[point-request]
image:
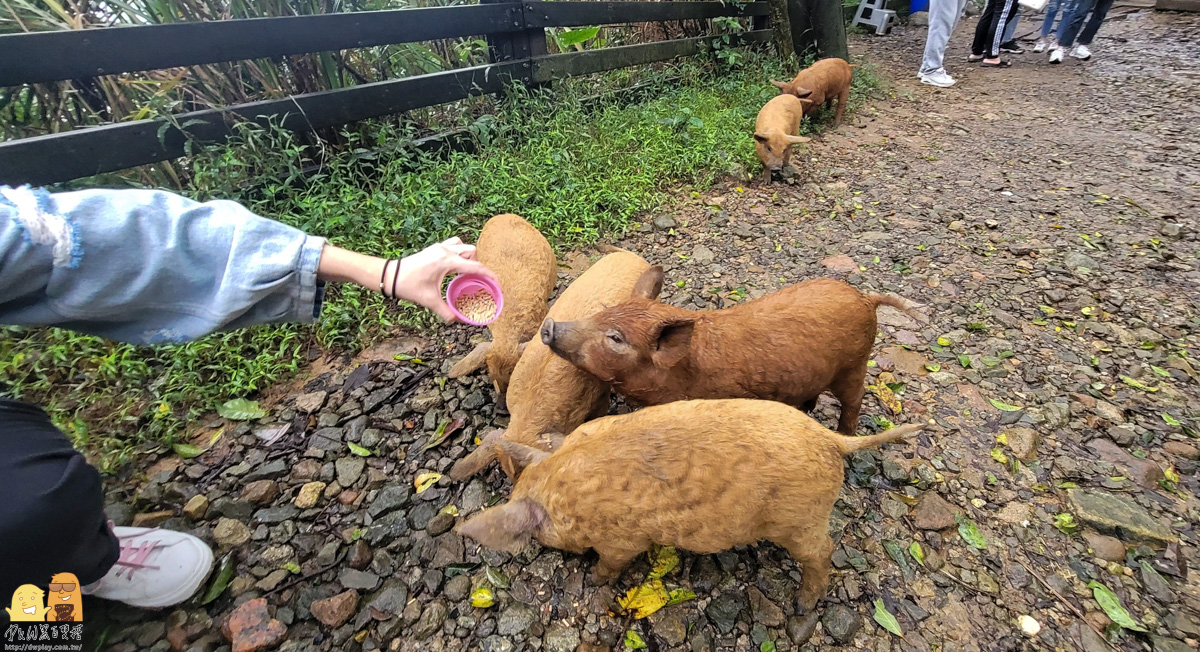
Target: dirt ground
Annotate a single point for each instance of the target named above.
(1045, 218)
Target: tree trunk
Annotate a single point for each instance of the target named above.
(818, 28)
(781, 29)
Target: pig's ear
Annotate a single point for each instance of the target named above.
(649, 284)
(524, 456)
(674, 339)
(507, 527)
(797, 139)
(778, 84)
(472, 362)
(761, 137)
(522, 346)
(802, 92)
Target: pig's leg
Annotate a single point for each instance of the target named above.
(849, 390)
(813, 549)
(841, 110)
(809, 405)
(613, 559)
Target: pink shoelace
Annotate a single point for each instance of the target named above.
(133, 557)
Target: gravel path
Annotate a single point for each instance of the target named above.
(1046, 219)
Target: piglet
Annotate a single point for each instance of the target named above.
(524, 262)
(703, 476)
(820, 83)
(787, 346)
(775, 132)
(547, 395)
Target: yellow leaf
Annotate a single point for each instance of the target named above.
(1002, 439)
(425, 481)
(449, 509)
(482, 597)
(1170, 474)
(665, 559)
(885, 394)
(645, 599)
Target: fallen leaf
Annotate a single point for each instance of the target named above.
(221, 579)
(679, 595)
(999, 456)
(1170, 474)
(645, 599)
(885, 619)
(359, 450)
(482, 597)
(1160, 371)
(767, 646)
(944, 341)
(449, 509)
(1170, 420)
(664, 560)
(886, 396)
(917, 553)
(1004, 407)
(444, 431)
(425, 481)
(1138, 385)
(970, 532)
(404, 357)
(1112, 606)
(497, 578)
(964, 360)
(291, 567)
(933, 367)
(632, 640)
(240, 409)
(187, 451)
(1066, 523)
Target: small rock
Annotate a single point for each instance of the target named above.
(515, 619)
(151, 519)
(1116, 514)
(933, 512)
(1181, 624)
(229, 533)
(310, 402)
(250, 627)
(671, 626)
(723, 611)
(439, 524)
(841, 622)
(1024, 443)
(1165, 644)
(309, 495)
(1109, 412)
(349, 470)
(1076, 260)
(473, 401)
(335, 611)
(276, 515)
(196, 508)
(560, 638)
(840, 263)
(664, 222)
(457, 588)
(147, 634)
(431, 620)
(360, 555)
(1156, 586)
(272, 580)
(800, 629)
(1181, 449)
(260, 492)
(119, 513)
(703, 255)
(388, 500)
(272, 470)
(764, 611)
(1105, 547)
(1143, 472)
(356, 579)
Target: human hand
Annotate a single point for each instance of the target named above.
(421, 274)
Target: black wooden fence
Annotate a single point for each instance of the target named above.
(515, 32)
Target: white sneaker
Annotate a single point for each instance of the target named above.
(157, 568)
(1043, 43)
(1081, 52)
(1056, 55)
(939, 78)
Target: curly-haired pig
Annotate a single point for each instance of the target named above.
(548, 395)
(775, 131)
(821, 83)
(703, 476)
(524, 263)
(787, 346)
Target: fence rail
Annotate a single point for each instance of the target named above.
(515, 32)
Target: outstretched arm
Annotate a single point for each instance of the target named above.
(148, 266)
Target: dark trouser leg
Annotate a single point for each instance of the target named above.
(979, 44)
(1068, 27)
(1099, 12)
(1005, 9)
(52, 512)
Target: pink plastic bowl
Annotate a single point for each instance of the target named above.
(471, 284)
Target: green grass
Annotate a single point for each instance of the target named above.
(574, 170)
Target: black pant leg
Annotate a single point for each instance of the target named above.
(51, 504)
(979, 44)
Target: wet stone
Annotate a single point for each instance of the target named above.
(671, 626)
(276, 515)
(440, 524)
(270, 471)
(933, 512)
(349, 470)
(723, 611)
(457, 588)
(801, 628)
(388, 500)
(431, 620)
(515, 619)
(560, 638)
(260, 492)
(841, 622)
(356, 579)
(1112, 513)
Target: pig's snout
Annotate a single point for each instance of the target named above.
(775, 167)
(548, 332)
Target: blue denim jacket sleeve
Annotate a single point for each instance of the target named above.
(148, 266)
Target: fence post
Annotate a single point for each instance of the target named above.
(781, 29)
(818, 27)
(501, 47)
(532, 42)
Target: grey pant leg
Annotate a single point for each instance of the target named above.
(943, 18)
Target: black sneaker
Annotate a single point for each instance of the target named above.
(1011, 48)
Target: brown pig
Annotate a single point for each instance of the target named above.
(524, 263)
(548, 395)
(703, 476)
(775, 131)
(787, 346)
(820, 83)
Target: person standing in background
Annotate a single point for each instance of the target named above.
(1010, 45)
(1068, 29)
(1047, 40)
(989, 33)
(943, 18)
